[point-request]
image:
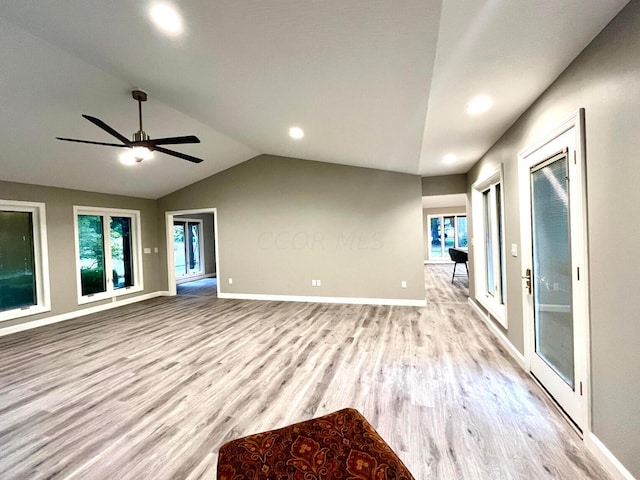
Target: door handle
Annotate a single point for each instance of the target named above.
(527, 277)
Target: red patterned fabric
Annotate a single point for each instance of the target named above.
(338, 446)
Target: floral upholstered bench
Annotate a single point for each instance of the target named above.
(341, 445)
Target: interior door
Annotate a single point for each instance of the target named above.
(553, 254)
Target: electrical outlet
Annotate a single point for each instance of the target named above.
(314, 283)
(318, 283)
(404, 284)
(230, 280)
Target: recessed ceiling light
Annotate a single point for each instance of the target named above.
(296, 132)
(449, 158)
(478, 105)
(167, 18)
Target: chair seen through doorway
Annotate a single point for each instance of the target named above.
(459, 256)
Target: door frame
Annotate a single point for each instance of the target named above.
(172, 288)
(579, 245)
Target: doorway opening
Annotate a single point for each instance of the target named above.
(444, 226)
(192, 252)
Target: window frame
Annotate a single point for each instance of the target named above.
(496, 302)
(136, 252)
(41, 259)
(445, 254)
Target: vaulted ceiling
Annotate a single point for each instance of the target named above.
(373, 83)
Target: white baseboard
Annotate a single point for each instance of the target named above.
(301, 298)
(602, 453)
(502, 338)
(194, 278)
(606, 458)
(75, 314)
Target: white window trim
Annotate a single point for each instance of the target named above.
(136, 241)
(494, 307)
(445, 255)
(41, 259)
(200, 272)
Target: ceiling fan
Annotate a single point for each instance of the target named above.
(141, 147)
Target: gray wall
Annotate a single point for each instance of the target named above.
(425, 225)
(444, 185)
(61, 243)
(283, 222)
(605, 79)
(208, 239)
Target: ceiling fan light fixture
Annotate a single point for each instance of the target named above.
(135, 155)
(126, 158)
(167, 18)
(142, 153)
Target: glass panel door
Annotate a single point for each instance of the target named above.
(436, 231)
(555, 267)
(187, 246)
(462, 232)
(449, 234)
(91, 246)
(194, 247)
(121, 252)
(551, 272)
(17, 274)
(179, 248)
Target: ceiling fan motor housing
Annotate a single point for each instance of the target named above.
(139, 95)
(140, 136)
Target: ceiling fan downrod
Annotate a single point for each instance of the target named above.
(140, 96)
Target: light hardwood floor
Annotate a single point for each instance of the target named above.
(151, 390)
(206, 287)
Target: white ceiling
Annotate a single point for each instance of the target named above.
(374, 83)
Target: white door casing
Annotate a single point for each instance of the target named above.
(570, 136)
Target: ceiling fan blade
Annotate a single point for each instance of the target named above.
(167, 141)
(92, 143)
(99, 123)
(183, 156)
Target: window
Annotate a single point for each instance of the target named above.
(24, 275)
(493, 241)
(109, 261)
(188, 247)
(489, 255)
(445, 232)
